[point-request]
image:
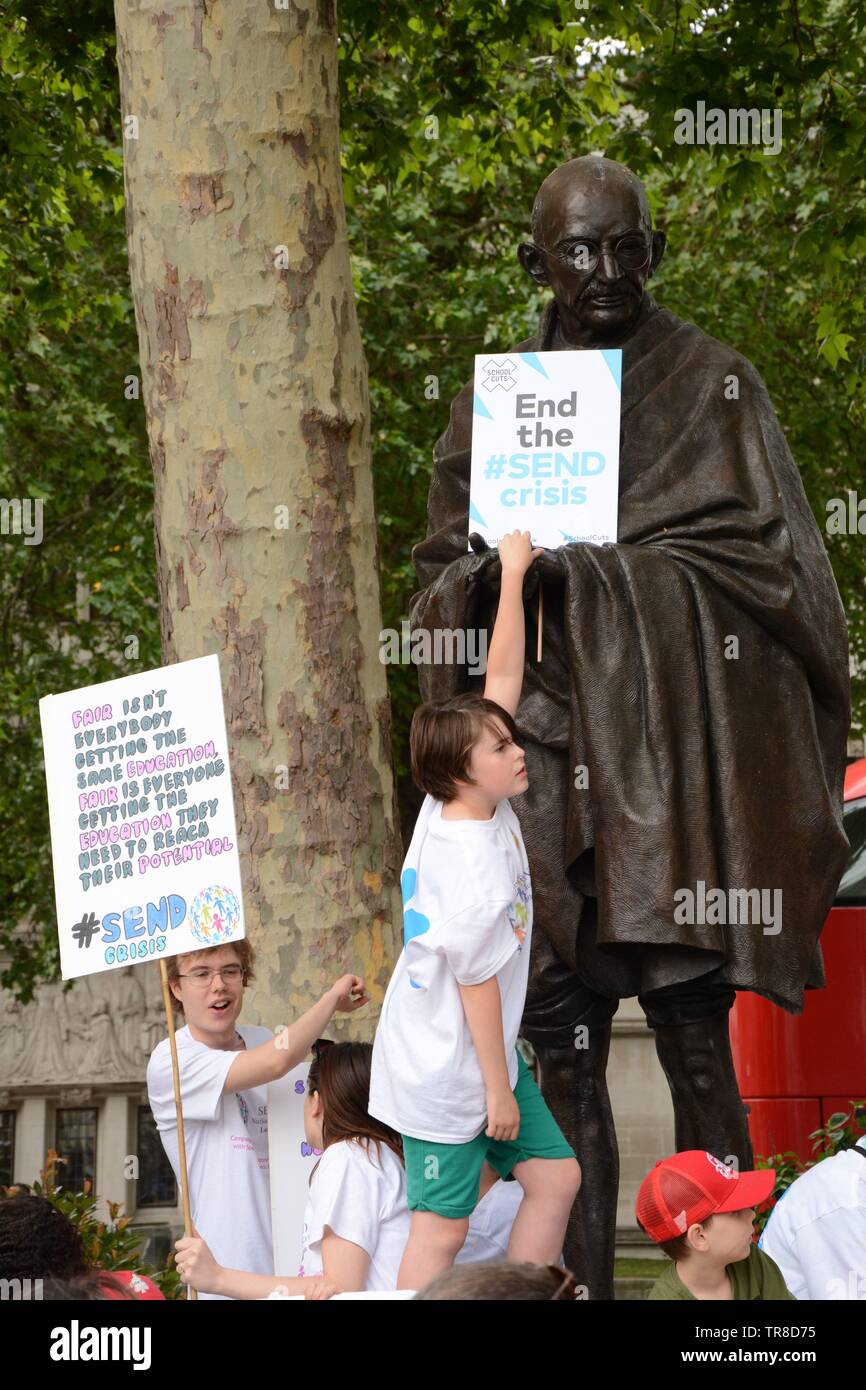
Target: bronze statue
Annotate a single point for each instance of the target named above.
(688, 721)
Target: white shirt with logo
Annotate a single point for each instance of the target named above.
(226, 1148)
(361, 1197)
(816, 1232)
(467, 916)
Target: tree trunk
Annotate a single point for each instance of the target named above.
(255, 390)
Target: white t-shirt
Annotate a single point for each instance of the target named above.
(226, 1148)
(817, 1230)
(490, 1224)
(467, 915)
(363, 1200)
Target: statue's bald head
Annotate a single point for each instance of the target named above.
(593, 244)
(589, 179)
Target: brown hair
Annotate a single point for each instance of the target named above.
(501, 1279)
(242, 948)
(340, 1072)
(677, 1248)
(441, 739)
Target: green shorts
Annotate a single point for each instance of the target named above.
(450, 1185)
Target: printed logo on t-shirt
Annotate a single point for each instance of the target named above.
(414, 923)
(517, 910)
(254, 1141)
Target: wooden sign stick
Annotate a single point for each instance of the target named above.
(181, 1145)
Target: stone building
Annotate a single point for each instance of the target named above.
(72, 1078)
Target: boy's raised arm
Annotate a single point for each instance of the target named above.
(507, 655)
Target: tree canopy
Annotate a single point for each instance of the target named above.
(452, 114)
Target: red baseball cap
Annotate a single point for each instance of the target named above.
(137, 1284)
(692, 1185)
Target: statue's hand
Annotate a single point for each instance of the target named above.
(549, 567)
(489, 571)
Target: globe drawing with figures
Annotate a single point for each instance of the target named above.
(215, 915)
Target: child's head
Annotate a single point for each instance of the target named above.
(501, 1280)
(37, 1241)
(470, 741)
(211, 1003)
(693, 1205)
(337, 1096)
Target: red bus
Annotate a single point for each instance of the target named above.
(795, 1071)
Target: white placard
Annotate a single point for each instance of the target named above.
(142, 818)
(292, 1161)
(545, 446)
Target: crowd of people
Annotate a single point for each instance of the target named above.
(442, 1172)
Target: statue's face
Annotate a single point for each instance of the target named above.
(585, 215)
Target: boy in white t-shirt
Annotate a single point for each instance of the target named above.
(446, 1072)
(224, 1076)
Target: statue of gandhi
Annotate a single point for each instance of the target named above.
(685, 731)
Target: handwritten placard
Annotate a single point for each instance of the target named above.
(545, 446)
(142, 817)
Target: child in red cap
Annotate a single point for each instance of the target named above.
(700, 1212)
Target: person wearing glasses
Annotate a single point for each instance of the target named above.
(356, 1220)
(225, 1070)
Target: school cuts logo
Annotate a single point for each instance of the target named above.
(77, 1343)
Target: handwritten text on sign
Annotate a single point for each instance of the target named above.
(142, 818)
(545, 446)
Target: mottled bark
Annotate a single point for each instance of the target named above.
(255, 390)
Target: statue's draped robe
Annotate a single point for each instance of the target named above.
(707, 759)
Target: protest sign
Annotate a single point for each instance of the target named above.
(293, 1159)
(143, 833)
(545, 446)
(143, 837)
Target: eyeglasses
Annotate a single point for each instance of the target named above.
(201, 978)
(631, 252)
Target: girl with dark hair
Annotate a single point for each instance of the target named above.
(356, 1221)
